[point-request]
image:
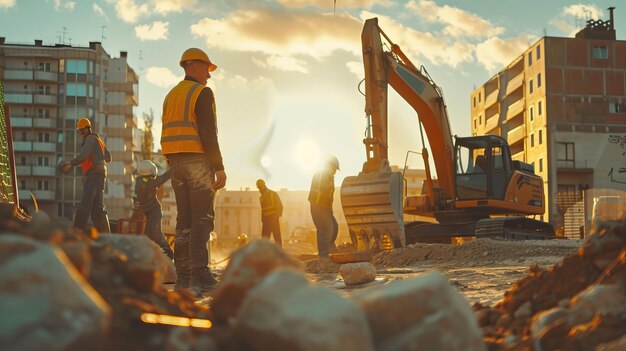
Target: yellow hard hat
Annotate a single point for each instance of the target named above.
(197, 54)
(83, 123)
(260, 183)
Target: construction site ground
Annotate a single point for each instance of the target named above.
(481, 269)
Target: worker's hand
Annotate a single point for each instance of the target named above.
(220, 180)
(65, 167)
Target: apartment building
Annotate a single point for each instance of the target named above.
(47, 89)
(562, 107)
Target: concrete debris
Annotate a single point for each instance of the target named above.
(45, 302)
(357, 273)
(285, 313)
(426, 310)
(247, 267)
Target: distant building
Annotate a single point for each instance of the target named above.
(562, 107)
(47, 89)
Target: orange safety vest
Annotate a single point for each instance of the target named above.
(270, 204)
(180, 130)
(322, 189)
(87, 164)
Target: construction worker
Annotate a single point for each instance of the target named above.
(189, 142)
(92, 158)
(146, 184)
(321, 199)
(271, 211)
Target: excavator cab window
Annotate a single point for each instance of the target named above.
(471, 171)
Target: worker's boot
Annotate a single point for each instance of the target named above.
(182, 261)
(202, 280)
(101, 222)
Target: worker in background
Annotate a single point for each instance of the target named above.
(189, 142)
(92, 158)
(271, 211)
(321, 199)
(146, 184)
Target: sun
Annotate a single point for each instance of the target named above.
(266, 161)
(307, 153)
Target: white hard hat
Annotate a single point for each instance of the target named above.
(332, 160)
(146, 168)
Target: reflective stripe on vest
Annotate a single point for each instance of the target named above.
(269, 206)
(180, 130)
(321, 194)
(87, 164)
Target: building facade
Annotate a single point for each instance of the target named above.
(561, 105)
(47, 89)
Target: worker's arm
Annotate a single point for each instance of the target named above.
(107, 155)
(85, 150)
(207, 131)
(158, 181)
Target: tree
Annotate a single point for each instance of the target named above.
(148, 139)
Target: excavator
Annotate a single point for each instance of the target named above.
(479, 190)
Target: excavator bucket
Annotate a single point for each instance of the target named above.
(372, 205)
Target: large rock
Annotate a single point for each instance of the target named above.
(418, 313)
(143, 255)
(45, 303)
(357, 273)
(285, 313)
(247, 267)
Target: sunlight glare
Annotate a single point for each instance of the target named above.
(307, 154)
(266, 161)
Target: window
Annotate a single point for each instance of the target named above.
(479, 96)
(565, 155)
(600, 52)
(474, 101)
(539, 109)
(540, 164)
(42, 185)
(538, 80)
(530, 58)
(480, 120)
(540, 136)
(23, 160)
(530, 86)
(616, 107)
(43, 161)
(44, 66)
(43, 113)
(475, 123)
(538, 52)
(76, 66)
(532, 140)
(76, 89)
(23, 136)
(44, 137)
(22, 184)
(44, 90)
(532, 115)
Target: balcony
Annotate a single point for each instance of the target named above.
(45, 171)
(44, 147)
(492, 98)
(492, 123)
(46, 76)
(23, 171)
(18, 75)
(44, 123)
(18, 98)
(45, 99)
(21, 122)
(516, 134)
(515, 83)
(518, 156)
(22, 146)
(44, 194)
(515, 109)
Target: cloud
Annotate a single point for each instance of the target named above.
(356, 68)
(162, 77)
(327, 4)
(98, 10)
(456, 22)
(572, 18)
(7, 3)
(583, 11)
(67, 5)
(167, 6)
(437, 49)
(155, 31)
(281, 35)
(495, 52)
(129, 11)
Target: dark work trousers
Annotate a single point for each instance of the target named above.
(191, 178)
(327, 228)
(271, 225)
(92, 204)
(154, 232)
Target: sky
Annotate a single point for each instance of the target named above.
(288, 72)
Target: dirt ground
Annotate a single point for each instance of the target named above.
(482, 269)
